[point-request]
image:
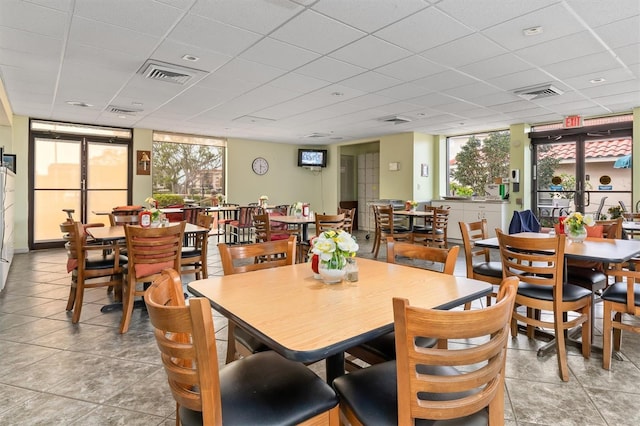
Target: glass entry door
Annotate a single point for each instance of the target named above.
(582, 172)
(87, 175)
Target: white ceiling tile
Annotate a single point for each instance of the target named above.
(278, 54)
(629, 54)
(621, 33)
(403, 91)
(329, 69)
(521, 79)
(571, 46)
(411, 68)
(463, 51)
(368, 15)
(444, 80)
(109, 37)
(370, 52)
(496, 99)
(495, 66)
(596, 13)
(583, 65)
(423, 30)
(611, 76)
(31, 17)
(316, 32)
(29, 42)
(145, 16)
(556, 22)
(298, 83)
(370, 82)
(482, 14)
(243, 70)
(213, 35)
(258, 16)
(172, 52)
(470, 91)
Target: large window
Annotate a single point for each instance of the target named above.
(187, 167)
(477, 163)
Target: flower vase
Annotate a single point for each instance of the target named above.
(331, 276)
(576, 235)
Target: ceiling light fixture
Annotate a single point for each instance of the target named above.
(190, 58)
(597, 80)
(532, 31)
(79, 104)
(337, 94)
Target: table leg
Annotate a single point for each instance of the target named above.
(334, 366)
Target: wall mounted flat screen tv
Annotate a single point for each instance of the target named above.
(312, 158)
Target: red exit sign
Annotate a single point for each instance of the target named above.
(572, 121)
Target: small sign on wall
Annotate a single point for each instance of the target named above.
(143, 162)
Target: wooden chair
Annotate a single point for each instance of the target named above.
(383, 348)
(149, 250)
(194, 258)
(478, 260)
(349, 218)
(225, 217)
(261, 389)
(242, 229)
(325, 222)
(436, 233)
(621, 299)
(238, 259)
(539, 263)
(89, 264)
(385, 227)
(264, 229)
(431, 383)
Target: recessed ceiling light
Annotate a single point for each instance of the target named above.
(137, 103)
(532, 31)
(597, 80)
(337, 94)
(122, 116)
(422, 114)
(190, 58)
(79, 104)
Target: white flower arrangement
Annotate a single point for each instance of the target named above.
(263, 198)
(155, 213)
(333, 248)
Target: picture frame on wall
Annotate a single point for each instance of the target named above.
(9, 161)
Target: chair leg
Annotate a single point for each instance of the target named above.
(586, 332)
(77, 308)
(617, 333)
(561, 348)
(606, 336)
(128, 295)
(496, 406)
(72, 291)
(231, 342)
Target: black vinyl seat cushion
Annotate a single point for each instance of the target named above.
(385, 345)
(586, 277)
(490, 269)
(373, 397)
(249, 341)
(103, 262)
(570, 292)
(266, 389)
(188, 252)
(617, 293)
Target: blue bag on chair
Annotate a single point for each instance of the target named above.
(524, 221)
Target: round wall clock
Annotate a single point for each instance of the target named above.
(260, 166)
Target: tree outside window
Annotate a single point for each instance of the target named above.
(475, 161)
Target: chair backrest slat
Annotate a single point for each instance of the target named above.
(251, 257)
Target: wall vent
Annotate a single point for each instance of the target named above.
(396, 119)
(317, 135)
(538, 92)
(170, 73)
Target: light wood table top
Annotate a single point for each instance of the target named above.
(306, 320)
(597, 249)
(295, 220)
(112, 233)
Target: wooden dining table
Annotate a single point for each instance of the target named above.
(306, 320)
(411, 214)
(114, 233)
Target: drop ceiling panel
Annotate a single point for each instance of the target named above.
(361, 15)
(463, 51)
(521, 79)
(594, 63)
(572, 46)
(212, 35)
(261, 17)
(329, 69)
(597, 13)
(370, 82)
(109, 37)
(411, 68)
(404, 91)
(444, 80)
(316, 32)
(29, 42)
(298, 82)
(423, 30)
(30, 17)
(620, 33)
(172, 52)
(495, 66)
(278, 54)
(370, 52)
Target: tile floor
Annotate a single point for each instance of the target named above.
(56, 373)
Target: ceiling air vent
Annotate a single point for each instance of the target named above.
(395, 119)
(317, 135)
(538, 92)
(162, 71)
(122, 110)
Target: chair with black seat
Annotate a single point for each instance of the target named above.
(383, 348)
(226, 215)
(104, 269)
(478, 260)
(385, 227)
(431, 386)
(539, 263)
(621, 301)
(238, 259)
(194, 257)
(149, 251)
(261, 389)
